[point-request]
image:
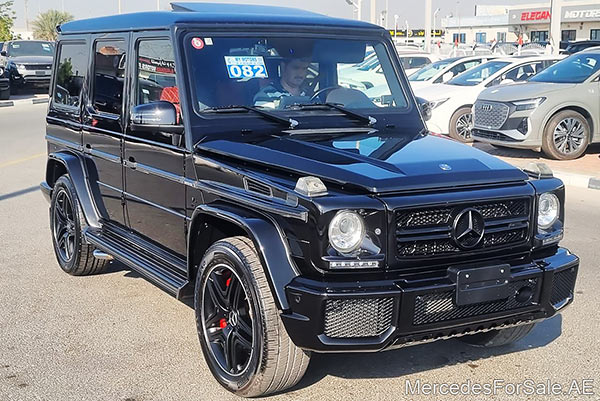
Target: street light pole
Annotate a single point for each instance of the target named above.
(435, 13)
(387, 14)
(428, 26)
(373, 11)
(396, 16)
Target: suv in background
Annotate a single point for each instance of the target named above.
(213, 150)
(557, 110)
(28, 63)
(576, 47)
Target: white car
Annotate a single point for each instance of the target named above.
(451, 102)
(444, 70)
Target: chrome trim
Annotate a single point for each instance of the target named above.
(101, 255)
(63, 142)
(330, 130)
(109, 186)
(144, 168)
(103, 155)
(156, 205)
(246, 179)
(236, 195)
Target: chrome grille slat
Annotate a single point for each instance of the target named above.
(489, 115)
(427, 231)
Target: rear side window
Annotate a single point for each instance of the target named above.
(109, 76)
(70, 74)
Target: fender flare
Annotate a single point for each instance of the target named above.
(75, 167)
(268, 239)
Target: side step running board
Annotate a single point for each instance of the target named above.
(98, 254)
(156, 269)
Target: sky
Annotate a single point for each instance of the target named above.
(410, 10)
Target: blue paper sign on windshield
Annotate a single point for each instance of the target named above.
(240, 67)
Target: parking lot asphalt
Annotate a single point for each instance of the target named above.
(115, 336)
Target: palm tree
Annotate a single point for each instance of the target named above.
(44, 26)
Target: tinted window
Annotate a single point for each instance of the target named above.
(427, 72)
(414, 62)
(109, 76)
(156, 72)
(574, 69)
(70, 73)
(30, 48)
(478, 74)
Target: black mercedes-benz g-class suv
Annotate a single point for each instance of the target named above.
(212, 150)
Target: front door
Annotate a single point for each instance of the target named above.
(154, 162)
(103, 122)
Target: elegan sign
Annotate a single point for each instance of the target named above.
(529, 16)
(526, 16)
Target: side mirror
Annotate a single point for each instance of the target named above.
(425, 108)
(160, 116)
(3, 53)
(447, 76)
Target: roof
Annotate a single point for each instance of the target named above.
(209, 13)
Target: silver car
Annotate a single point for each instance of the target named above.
(557, 110)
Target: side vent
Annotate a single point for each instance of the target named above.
(257, 187)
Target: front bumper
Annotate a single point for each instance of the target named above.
(375, 315)
(30, 79)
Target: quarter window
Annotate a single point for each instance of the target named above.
(109, 76)
(70, 74)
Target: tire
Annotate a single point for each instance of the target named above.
(272, 363)
(461, 116)
(577, 136)
(5, 94)
(73, 253)
(496, 338)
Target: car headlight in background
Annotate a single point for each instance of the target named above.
(438, 102)
(346, 231)
(528, 104)
(1, 71)
(20, 66)
(548, 210)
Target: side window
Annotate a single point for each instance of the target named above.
(109, 76)
(156, 73)
(70, 74)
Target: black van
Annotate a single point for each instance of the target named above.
(213, 150)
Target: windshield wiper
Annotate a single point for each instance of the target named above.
(367, 119)
(288, 122)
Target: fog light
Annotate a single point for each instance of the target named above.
(523, 127)
(354, 264)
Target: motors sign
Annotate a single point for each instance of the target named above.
(581, 13)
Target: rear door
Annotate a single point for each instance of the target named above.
(103, 117)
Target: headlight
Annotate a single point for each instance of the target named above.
(438, 102)
(548, 210)
(20, 66)
(346, 231)
(528, 104)
(1, 71)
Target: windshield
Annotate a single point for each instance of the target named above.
(574, 69)
(429, 71)
(477, 75)
(278, 73)
(30, 48)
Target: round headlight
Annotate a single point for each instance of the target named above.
(346, 231)
(548, 210)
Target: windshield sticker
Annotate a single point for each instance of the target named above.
(45, 46)
(246, 67)
(198, 43)
(208, 41)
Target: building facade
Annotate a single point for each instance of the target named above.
(580, 20)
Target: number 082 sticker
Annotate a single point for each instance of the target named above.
(246, 67)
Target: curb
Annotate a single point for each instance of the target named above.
(10, 103)
(578, 180)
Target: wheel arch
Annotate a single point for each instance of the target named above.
(65, 162)
(226, 220)
(578, 108)
(456, 111)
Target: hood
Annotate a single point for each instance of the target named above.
(438, 91)
(415, 85)
(31, 59)
(374, 163)
(522, 91)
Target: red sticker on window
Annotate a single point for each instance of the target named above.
(198, 43)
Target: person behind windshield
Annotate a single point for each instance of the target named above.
(291, 83)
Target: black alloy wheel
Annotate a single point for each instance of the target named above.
(227, 320)
(64, 226)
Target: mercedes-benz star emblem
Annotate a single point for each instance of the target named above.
(468, 228)
(445, 167)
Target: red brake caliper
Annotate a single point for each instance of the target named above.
(223, 322)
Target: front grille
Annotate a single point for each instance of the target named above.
(440, 307)
(362, 317)
(38, 66)
(428, 231)
(478, 133)
(490, 115)
(562, 289)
